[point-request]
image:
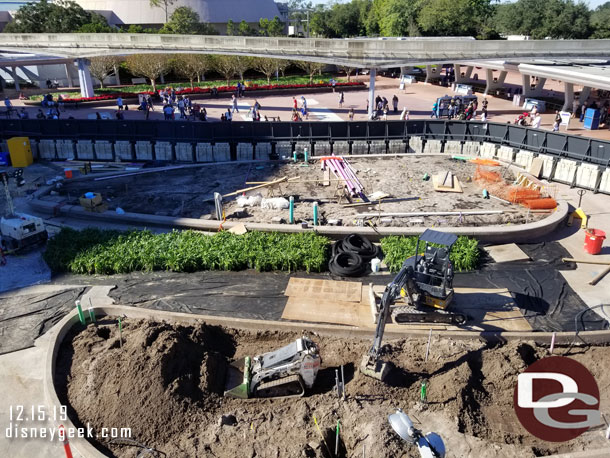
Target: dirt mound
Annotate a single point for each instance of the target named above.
(165, 383)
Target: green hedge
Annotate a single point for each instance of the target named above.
(94, 251)
(464, 254)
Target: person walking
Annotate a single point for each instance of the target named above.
(350, 114)
(385, 113)
(341, 99)
(395, 103)
(583, 110)
(536, 121)
(119, 102)
(403, 114)
(434, 113)
(234, 103)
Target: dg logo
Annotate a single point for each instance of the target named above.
(557, 399)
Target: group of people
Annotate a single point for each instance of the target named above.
(298, 114)
(459, 110)
(580, 111)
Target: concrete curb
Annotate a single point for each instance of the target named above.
(58, 333)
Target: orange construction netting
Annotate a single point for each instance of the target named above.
(488, 162)
(496, 185)
(541, 204)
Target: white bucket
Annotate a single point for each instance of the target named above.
(375, 264)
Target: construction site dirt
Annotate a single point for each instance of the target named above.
(164, 382)
(406, 184)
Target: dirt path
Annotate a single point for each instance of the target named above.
(165, 384)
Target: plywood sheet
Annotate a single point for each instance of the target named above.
(438, 185)
(333, 290)
(302, 308)
(509, 252)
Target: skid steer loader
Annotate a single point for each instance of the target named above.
(285, 372)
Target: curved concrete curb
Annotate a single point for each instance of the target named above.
(486, 234)
(87, 450)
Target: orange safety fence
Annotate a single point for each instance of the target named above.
(517, 194)
(488, 162)
(541, 204)
(485, 175)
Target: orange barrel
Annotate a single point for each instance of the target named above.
(68, 173)
(594, 239)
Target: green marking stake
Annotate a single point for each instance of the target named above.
(91, 312)
(315, 213)
(306, 154)
(426, 177)
(337, 440)
(424, 391)
(81, 315)
(294, 155)
(291, 215)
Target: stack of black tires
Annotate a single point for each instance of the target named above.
(351, 256)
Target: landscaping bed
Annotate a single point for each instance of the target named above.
(165, 383)
(193, 93)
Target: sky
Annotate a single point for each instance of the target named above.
(592, 3)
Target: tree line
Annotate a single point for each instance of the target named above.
(482, 19)
(194, 67)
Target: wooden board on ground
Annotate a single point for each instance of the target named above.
(238, 229)
(326, 178)
(536, 167)
(316, 289)
(438, 184)
(509, 252)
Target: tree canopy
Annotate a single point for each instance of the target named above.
(63, 16)
(186, 21)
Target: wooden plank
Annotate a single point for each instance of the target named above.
(252, 188)
(536, 167)
(306, 308)
(325, 289)
(326, 179)
(437, 185)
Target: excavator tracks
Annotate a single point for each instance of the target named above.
(409, 314)
(285, 387)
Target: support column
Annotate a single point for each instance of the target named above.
(15, 78)
(527, 86)
(492, 85)
(84, 78)
(117, 77)
(373, 74)
(568, 96)
(69, 76)
(459, 69)
(432, 74)
(584, 94)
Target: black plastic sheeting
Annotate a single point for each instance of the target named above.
(538, 288)
(25, 318)
(245, 294)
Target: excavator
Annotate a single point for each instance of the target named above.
(425, 283)
(286, 372)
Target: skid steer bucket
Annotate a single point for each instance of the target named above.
(238, 378)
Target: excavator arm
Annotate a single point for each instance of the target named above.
(371, 364)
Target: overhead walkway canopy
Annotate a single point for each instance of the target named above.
(351, 52)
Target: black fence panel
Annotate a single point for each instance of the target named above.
(516, 136)
(435, 130)
(456, 130)
(377, 130)
(600, 152)
(497, 133)
(534, 139)
(578, 148)
(555, 143)
(396, 129)
(358, 130)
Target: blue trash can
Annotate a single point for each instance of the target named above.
(591, 119)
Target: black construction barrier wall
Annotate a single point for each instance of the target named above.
(543, 142)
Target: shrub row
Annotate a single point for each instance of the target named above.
(464, 254)
(94, 251)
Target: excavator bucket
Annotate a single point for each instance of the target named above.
(377, 369)
(238, 378)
